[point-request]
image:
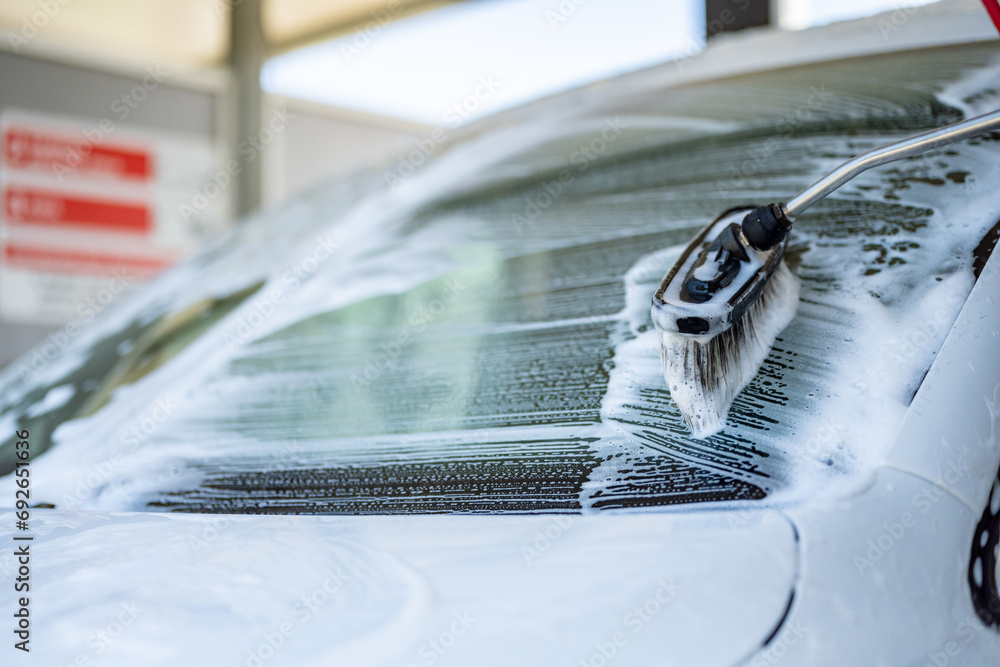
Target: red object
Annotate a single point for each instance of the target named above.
(48, 260)
(27, 149)
(31, 206)
(993, 8)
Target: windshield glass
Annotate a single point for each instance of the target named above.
(467, 328)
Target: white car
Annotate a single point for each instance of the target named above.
(419, 419)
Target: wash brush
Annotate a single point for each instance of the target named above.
(721, 306)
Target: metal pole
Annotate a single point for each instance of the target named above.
(921, 143)
(247, 52)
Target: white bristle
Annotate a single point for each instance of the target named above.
(705, 375)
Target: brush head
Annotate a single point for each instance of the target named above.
(718, 311)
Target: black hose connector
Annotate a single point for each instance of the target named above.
(766, 226)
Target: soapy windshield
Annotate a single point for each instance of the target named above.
(469, 331)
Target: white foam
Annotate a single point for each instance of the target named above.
(704, 392)
(55, 398)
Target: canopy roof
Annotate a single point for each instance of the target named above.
(186, 33)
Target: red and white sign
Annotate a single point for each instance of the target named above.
(46, 260)
(32, 206)
(84, 203)
(40, 149)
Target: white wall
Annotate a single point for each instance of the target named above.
(321, 142)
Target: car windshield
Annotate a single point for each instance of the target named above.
(466, 329)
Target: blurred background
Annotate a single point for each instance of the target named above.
(133, 131)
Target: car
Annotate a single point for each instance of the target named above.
(417, 416)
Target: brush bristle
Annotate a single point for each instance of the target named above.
(705, 376)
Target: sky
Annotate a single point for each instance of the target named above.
(449, 66)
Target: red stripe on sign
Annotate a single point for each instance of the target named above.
(47, 260)
(26, 149)
(993, 9)
(40, 207)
